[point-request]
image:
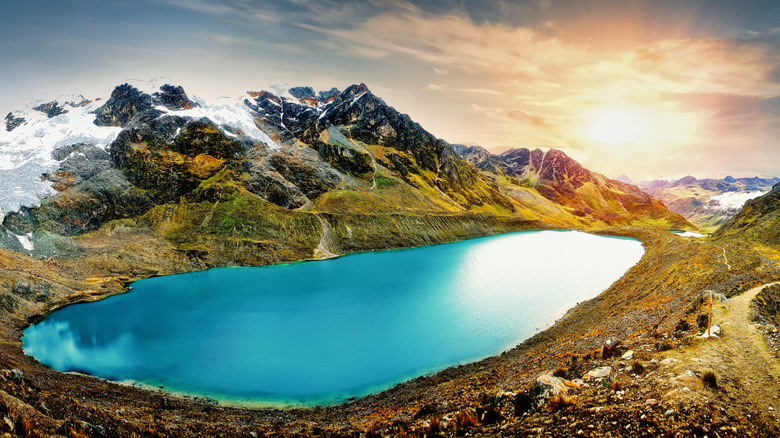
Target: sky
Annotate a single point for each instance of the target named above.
(651, 89)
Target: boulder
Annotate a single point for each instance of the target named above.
(548, 386)
(715, 332)
(598, 373)
(609, 348)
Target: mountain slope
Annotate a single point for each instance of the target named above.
(565, 182)
(258, 172)
(759, 220)
(707, 203)
(263, 178)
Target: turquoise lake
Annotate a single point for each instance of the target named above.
(321, 332)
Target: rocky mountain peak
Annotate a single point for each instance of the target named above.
(174, 98)
(125, 104)
(303, 92)
(684, 181)
(51, 109)
(557, 166)
(12, 122)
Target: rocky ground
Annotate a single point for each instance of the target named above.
(627, 363)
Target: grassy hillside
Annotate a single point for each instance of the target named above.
(758, 221)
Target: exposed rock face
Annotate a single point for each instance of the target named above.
(173, 98)
(88, 205)
(126, 104)
(12, 122)
(20, 222)
(51, 109)
(479, 157)
(271, 186)
(308, 177)
(81, 162)
(168, 166)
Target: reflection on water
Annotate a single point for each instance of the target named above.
(320, 332)
(66, 349)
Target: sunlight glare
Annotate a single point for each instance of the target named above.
(614, 126)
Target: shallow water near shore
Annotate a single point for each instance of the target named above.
(316, 333)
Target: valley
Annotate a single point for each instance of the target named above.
(708, 203)
(183, 186)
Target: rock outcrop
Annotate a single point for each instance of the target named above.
(51, 109)
(12, 122)
(126, 104)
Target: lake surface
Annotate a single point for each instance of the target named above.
(320, 332)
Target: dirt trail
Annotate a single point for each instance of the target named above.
(746, 370)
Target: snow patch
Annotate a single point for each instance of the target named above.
(26, 151)
(230, 112)
(691, 234)
(734, 200)
(356, 98)
(26, 240)
(151, 86)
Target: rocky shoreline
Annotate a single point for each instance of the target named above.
(651, 311)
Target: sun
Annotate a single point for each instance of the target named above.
(614, 126)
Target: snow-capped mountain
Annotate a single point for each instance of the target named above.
(151, 154)
(33, 138)
(708, 203)
(30, 137)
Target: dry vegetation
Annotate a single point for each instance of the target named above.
(663, 387)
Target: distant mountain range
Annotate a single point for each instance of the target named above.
(758, 220)
(562, 180)
(284, 174)
(708, 203)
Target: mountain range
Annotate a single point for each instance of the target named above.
(151, 180)
(757, 221)
(276, 171)
(562, 180)
(707, 203)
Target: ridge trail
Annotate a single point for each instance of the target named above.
(746, 369)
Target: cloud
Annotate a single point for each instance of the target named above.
(741, 67)
(454, 42)
(501, 53)
(513, 116)
(231, 9)
(481, 91)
